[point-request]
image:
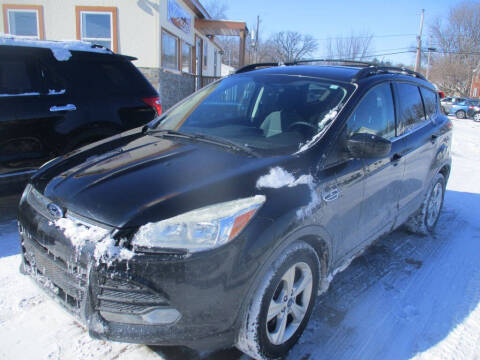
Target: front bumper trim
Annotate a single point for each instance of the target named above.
(155, 316)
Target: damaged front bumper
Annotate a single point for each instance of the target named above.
(154, 299)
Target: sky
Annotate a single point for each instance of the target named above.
(394, 24)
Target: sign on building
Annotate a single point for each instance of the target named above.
(179, 17)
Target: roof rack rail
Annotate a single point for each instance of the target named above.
(251, 67)
(375, 69)
(345, 61)
(367, 68)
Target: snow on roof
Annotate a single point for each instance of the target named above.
(60, 49)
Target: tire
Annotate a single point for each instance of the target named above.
(264, 339)
(423, 222)
(460, 114)
(476, 117)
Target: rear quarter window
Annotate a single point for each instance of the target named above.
(430, 102)
(107, 78)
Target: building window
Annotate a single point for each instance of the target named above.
(475, 92)
(187, 58)
(205, 53)
(97, 25)
(24, 21)
(169, 51)
(215, 62)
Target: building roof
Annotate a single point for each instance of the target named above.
(198, 9)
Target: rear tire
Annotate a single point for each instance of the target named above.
(460, 114)
(281, 306)
(425, 219)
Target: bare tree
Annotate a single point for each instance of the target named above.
(217, 9)
(353, 47)
(288, 46)
(458, 44)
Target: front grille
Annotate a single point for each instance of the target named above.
(125, 296)
(66, 282)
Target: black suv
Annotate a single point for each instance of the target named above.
(51, 104)
(219, 222)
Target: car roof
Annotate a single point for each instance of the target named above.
(341, 73)
(60, 49)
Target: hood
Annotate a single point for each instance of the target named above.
(135, 178)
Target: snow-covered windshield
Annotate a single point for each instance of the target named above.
(274, 114)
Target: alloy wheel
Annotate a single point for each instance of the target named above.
(434, 204)
(476, 117)
(289, 303)
(460, 114)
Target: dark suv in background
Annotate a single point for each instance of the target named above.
(55, 97)
(219, 222)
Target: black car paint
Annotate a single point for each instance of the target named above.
(133, 178)
(37, 134)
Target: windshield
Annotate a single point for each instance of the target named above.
(269, 113)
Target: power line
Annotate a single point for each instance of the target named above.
(392, 53)
(365, 36)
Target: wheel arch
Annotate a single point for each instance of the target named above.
(315, 236)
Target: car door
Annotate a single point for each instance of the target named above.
(21, 86)
(417, 133)
(341, 189)
(40, 118)
(375, 115)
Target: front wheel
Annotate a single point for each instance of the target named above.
(282, 305)
(476, 117)
(460, 114)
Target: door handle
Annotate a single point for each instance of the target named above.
(68, 107)
(331, 195)
(396, 158)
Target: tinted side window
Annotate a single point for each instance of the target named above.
(18, 76)
(411, 107)
(375, 114)
(430, 102)
(106, 78)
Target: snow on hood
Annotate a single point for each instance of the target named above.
(279, 177)
(106, 251)
(60, 49)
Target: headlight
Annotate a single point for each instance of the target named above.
(200, 229)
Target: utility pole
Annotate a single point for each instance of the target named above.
(256, 39)
(419, 43)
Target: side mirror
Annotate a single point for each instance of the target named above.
(364, 145)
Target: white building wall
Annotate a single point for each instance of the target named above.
(139, 26)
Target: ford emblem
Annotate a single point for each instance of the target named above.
(55, 210)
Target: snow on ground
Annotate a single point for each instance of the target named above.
(405, 297)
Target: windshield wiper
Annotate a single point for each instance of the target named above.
(208, 139)
(226, 143)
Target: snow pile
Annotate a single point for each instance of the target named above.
(322, 125)
(60, 49)
(79, 233)
(279, 177)
(106, 251)
(56, 92)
